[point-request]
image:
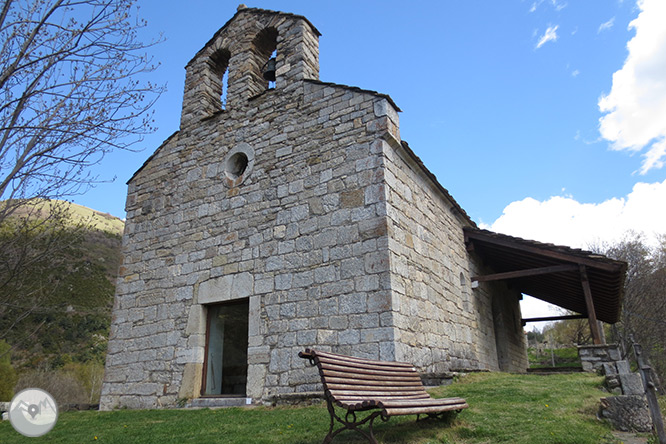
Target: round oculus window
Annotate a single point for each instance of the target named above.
(236, 165)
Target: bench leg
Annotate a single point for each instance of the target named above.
(349, 422)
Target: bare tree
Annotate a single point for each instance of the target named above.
(644, 304)
(571, 332)
(73, 87)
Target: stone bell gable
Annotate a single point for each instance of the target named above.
(242, 47)
(284, 216)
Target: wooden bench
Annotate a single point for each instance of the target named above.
(388, 388)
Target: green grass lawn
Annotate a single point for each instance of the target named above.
(504, 408)
(563, 357)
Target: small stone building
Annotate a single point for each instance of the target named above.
(284, 215)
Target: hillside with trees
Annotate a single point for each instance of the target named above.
(58, 265)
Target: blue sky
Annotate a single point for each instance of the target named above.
(494, 117)
(501, 100)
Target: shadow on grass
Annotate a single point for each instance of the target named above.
(396, 430)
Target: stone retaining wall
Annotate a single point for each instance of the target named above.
(593, 357)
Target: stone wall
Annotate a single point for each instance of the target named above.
(441, 322)
(500, 339)
(484, 332)
(593, 357)
(628, 410)
(509, 336)
(434, 315)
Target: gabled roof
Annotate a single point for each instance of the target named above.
(151, 157)
(556, 272)
(355, 89)
(455, 206)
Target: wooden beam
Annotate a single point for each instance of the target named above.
(589, 302)
(554, 318)
(544, 251)
(526, 272)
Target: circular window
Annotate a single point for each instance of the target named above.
(236, 165)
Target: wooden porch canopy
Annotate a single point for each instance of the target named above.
(577, 280)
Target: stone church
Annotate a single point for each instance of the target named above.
(289, 214)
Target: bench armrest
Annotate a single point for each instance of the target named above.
(307, 354)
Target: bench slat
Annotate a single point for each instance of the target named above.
(339, 368)
(372, 387)
(363, 377)
(421, 410)
(335, 357)
(353, 398)
(341, 388)
(374, 381)
(372, 394)
(354, 366)
(423, 402)
(363, 403)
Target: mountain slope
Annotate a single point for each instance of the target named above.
(104, 222)
(55, 304)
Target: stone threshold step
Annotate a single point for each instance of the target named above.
(552, 370)
(220, 402)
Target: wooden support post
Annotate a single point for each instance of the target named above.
(589, 303)
(602, 332)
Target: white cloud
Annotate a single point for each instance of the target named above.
(575, 73)
(655, 156)
(606, 25)
(549, 36)
(564, 221)
(556, 4)
(636, 105)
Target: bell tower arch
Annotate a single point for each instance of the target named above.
(242, 48)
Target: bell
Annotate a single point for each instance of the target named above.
(269, 70)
